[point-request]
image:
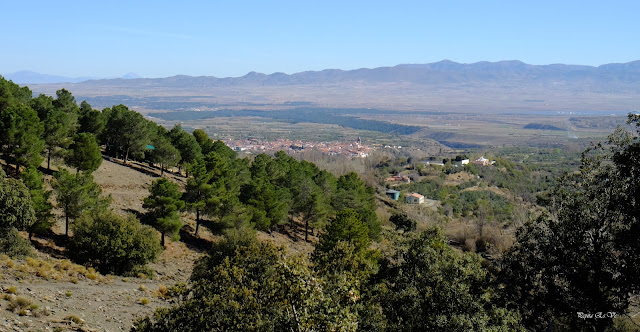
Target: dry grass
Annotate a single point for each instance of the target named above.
(458, 178)
(493, 239)
(23, 306)
(50, 269)
(74, 319)
(12, 290)
(162, 292)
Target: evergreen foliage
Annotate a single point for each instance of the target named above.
(20, 136)
(13, 94)
(84, 153)
(16, 213)
(126, 131)
(428, 286)
(347, 226)
(90, 120)
(403, 222)
(164, 153)
(186, 144)
(164, 203)
(77, 194)
(16, 210)
(113, 244)
(43, 208)
(583, 255)
(244, 285)
(198, 190)
(60, 124)
(353, 193)
(13, 244)
(206, 143)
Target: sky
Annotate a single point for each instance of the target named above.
(232, 38)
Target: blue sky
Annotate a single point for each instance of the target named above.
(231, 38)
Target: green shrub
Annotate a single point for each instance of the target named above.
(14, 245)
(113, 244)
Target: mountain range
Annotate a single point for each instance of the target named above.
(439, 73)
(31, 77)
(445, 85)
(443, 72)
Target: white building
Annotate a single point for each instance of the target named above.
(414, 198)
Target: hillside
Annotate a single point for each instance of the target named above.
(103, 303)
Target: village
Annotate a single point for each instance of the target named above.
(351, 149)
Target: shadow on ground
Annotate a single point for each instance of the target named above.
(51, 243)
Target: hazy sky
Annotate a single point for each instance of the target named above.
(231, 38)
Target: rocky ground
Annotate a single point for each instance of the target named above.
(49, 294)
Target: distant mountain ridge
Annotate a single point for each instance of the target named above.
(439, 73)
(505, 86)
(31, 77)
(442, 72)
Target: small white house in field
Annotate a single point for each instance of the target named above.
(414, 198)
(464, 161)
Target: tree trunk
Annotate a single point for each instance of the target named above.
(49, 160)
(17, 168)
(197, 221)
(161, 170)
(162, 240)
(126, 156)
(306, 230)
(66, 224)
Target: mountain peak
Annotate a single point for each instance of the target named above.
(131, 75)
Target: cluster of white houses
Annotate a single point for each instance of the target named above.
(482, 161)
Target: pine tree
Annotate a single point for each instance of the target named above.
(198, 190)
(20, 132)
(40, 199)
(84, 153)
(77, 194)
(164, 203)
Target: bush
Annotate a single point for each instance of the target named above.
(403, 222)
(14, 245)
(113, 244)
(250, 286)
